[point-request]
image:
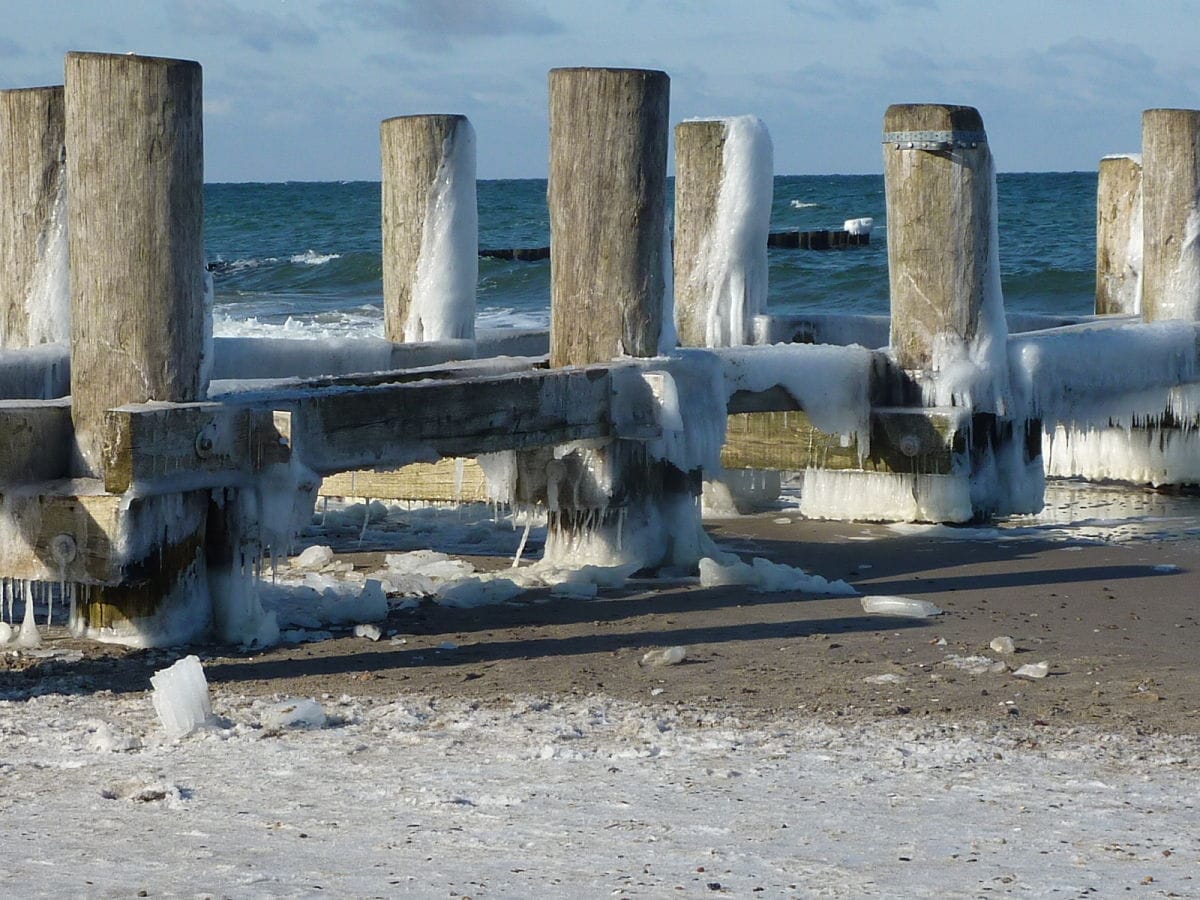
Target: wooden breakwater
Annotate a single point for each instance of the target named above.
(154, 490)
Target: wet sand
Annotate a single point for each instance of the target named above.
(1117, 623)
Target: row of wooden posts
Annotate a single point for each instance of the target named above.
(163, 477)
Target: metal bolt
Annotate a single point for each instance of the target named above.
(910, 445)
(63, 548)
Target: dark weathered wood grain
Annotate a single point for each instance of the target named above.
(607, 196)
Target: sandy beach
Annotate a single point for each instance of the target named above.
(525, 749)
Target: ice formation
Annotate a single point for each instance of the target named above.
(181, 697)
(831, 384)
(443, 293)
(733, 260)
(974, 373)
(763, 575)
(1180, 293)
(48, 303)
(859, 226)
(906, 607)
(885, 496)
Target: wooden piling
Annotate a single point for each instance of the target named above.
(1119, 236)
(699, 157)
(1171, 214)
(32, 196)
(607, 188)
(416, 152)
(938, 184)
(135, 181)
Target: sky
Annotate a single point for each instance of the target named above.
(295, 89)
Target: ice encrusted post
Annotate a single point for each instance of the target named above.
(939, 209)
(135, 178)
(1171, 214)
(1119, 236)
(430, 228)
(33, 302)
(723, 185)
(612, 502)
(135, 182)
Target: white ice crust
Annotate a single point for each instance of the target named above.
(443, 296)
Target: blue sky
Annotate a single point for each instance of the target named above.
(295, 89)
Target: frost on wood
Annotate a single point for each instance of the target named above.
(443, 295)
(733, 258)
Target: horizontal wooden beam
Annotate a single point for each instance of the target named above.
(901, 440)
(459, 480)
(35, 441)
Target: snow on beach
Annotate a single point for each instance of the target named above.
(578, 797)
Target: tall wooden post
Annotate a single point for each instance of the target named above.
(1171, 214)
(135, 177)
(430, 228)
(607, 187)
(1119, 236)
(699, 152)
(32, 204)
(937, 176)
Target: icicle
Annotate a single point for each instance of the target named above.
(29, 637)
(521, 546)
(362, 535)
(458, 477)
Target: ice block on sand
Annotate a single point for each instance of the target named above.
(181, 697)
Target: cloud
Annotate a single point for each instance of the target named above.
(260, 31)
(436, 22)
(857, 10)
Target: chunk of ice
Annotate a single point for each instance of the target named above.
(667, 656)
(1033, 670)
(899, 606)
(368, 631)
(181, 697)
(313, 557)
(294, 713)
(1003, 644)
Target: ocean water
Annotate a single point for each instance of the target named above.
(304, 258)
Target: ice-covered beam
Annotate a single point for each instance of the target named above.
(33, 291)
(1171, 214)
(1119, 235)
(430, 228)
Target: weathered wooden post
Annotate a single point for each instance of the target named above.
(724, 177)
(607, 197)
(136, 177)
(1119, 236)
(1171, 214)
(607, 189)
(948, 333)
(135, 180)
(938, 184)
(430, 228)
(33, 304)
(723, 186)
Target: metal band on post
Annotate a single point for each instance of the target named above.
(935, 140)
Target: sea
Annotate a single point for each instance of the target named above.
(303, 258)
